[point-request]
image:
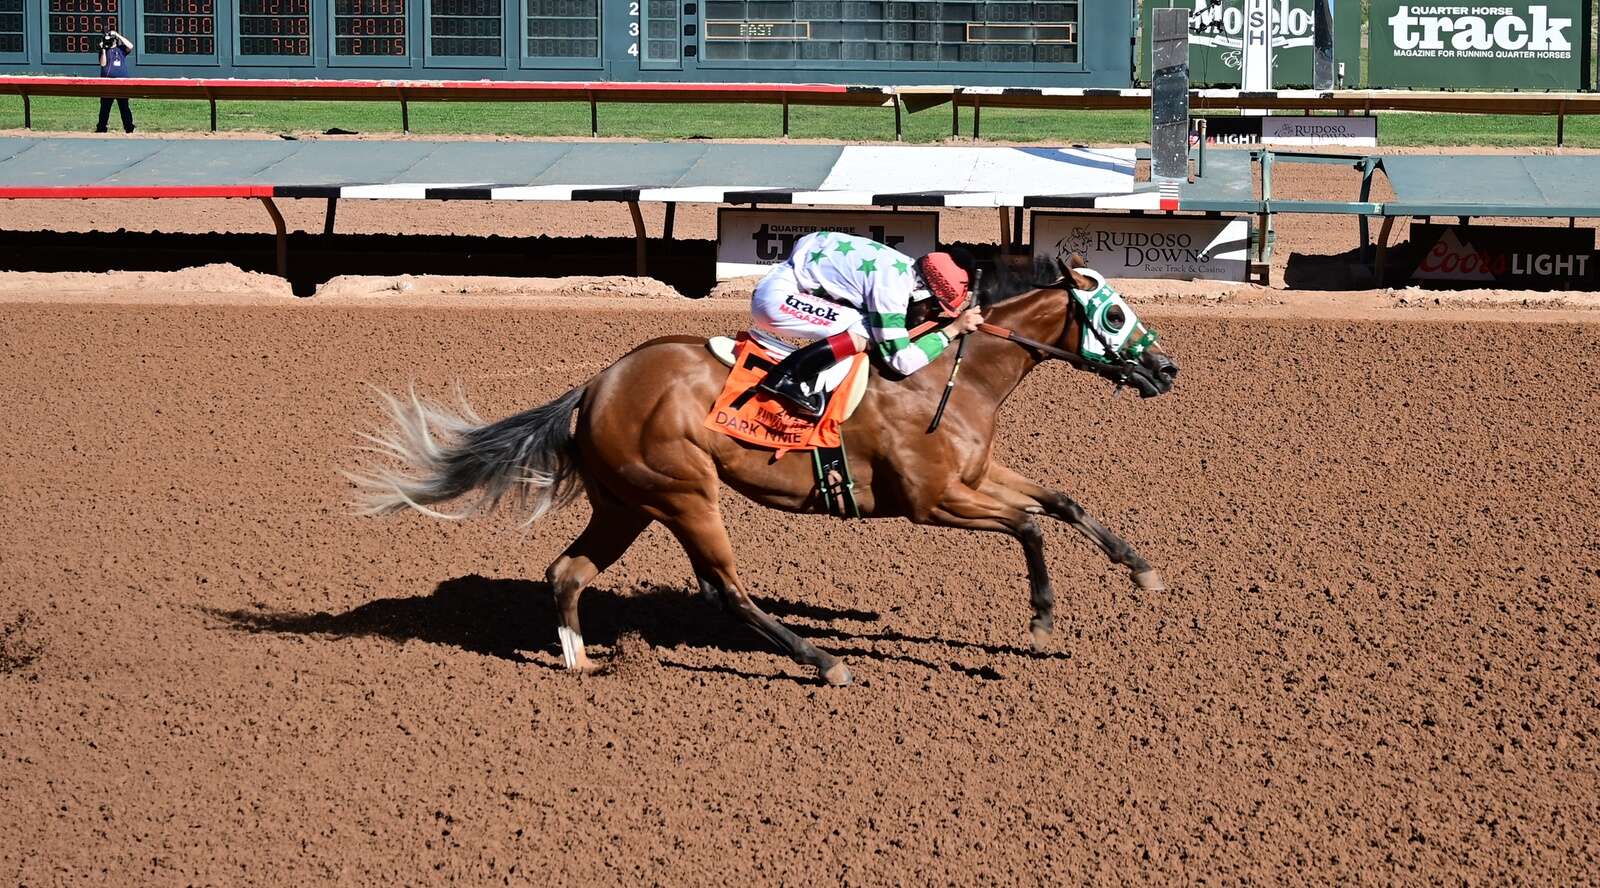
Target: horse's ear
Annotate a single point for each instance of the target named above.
(1069, 269)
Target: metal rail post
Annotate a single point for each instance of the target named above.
(638, 238)
(668, 219)
(977, 116)
(594, 117)
(786, 115)
(955, 113)
(281, 233)
(27, 111)
(1169, 97)
(212, 101)
(1368, 164)
(899, 132)
(327, 216)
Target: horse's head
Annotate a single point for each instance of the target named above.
(1093, 327)
(1105, 331)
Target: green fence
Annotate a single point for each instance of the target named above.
(1512, 44)
(1216, 35)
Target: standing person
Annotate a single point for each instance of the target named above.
(114, 50)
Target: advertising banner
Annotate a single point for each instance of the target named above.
(1286, 130)
(1505, 255)
(1518, 44)
(1216, 41)
(1180, 247)
(751, 241)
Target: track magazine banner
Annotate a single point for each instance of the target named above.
(1494, 255)
(1538, 45)
(751, 241)
(1361, 132)
(1180, 247)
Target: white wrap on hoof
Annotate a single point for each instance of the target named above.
(571, 646)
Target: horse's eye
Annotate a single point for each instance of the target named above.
(1115, 318)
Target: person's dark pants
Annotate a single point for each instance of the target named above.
(105, 115)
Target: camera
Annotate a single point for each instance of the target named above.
(107, 41)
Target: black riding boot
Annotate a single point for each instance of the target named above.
(802, 365)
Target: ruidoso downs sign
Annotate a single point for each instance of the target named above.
(751, 241)
(1286, 130)
(1181, 247)
(1496, 255)
(1520, 44)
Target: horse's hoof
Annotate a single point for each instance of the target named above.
(1041, 639)
(1149, 580)
(837, 675)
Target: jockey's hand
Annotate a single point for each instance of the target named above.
(965, 323)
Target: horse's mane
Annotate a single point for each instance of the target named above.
(1001, 282)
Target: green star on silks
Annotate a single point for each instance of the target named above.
(844, 248)
(868, 265)
(817, 256)
(902, 266)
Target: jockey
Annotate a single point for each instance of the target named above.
(848, 292)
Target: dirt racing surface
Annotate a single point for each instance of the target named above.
(1377, 661)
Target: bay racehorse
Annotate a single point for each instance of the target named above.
(641, 453)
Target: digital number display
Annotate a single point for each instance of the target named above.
(563, 29)
(977, 32)
(11, 26)
(369, 28)
(275, 28)
(661, 43)
(180, 27)
(464, 27)
(76, 25)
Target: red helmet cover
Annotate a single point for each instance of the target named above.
(945, 279)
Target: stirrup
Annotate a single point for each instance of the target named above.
(788, 389)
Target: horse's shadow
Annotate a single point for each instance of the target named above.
(508, 618)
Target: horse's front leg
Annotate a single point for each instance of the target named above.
(1022, 492)
(964, 507)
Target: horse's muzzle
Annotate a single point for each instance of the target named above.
(1153, 375)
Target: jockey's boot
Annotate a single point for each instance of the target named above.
(802, 365)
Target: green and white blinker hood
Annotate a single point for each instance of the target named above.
(1112, 332)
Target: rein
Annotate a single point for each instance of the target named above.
(1075, 360)
(1036, 345)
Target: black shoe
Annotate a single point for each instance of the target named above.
(787, 388)
(783, 381)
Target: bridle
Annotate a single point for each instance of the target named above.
(1116, 370)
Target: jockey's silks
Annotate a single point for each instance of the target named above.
(879, 281)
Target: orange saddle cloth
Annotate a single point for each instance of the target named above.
(759, 419)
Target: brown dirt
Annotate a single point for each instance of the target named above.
(1377, 660)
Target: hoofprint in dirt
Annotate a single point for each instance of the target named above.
(1375, 661)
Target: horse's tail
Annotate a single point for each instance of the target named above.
(447, 453)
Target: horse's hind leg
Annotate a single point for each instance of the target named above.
(612, 529)
(711, 552)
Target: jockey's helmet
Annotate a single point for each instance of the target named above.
(948, 275)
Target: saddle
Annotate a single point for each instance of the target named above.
(743, 413)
